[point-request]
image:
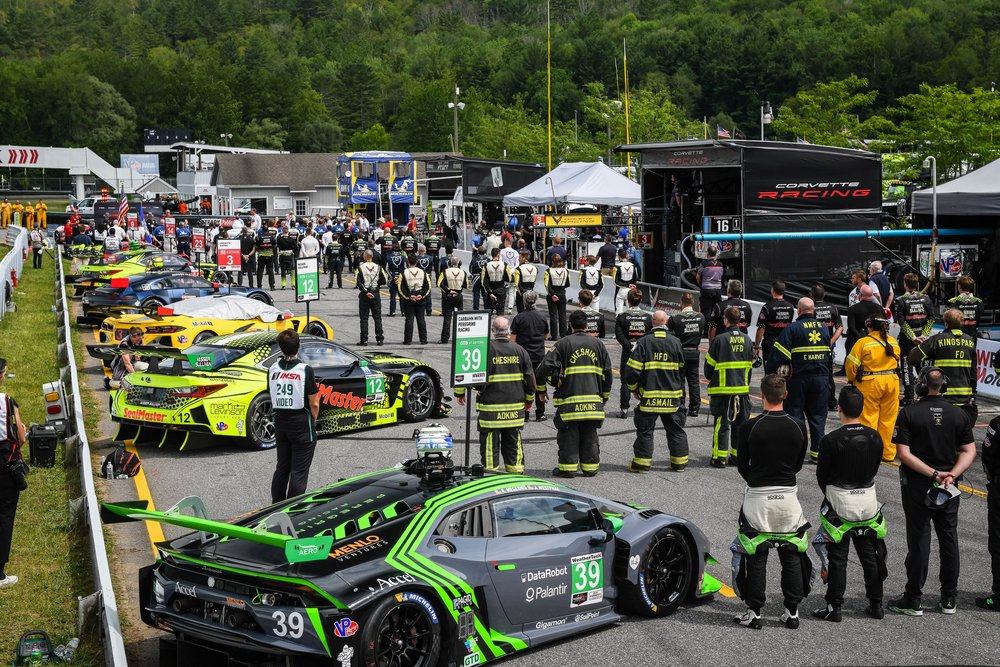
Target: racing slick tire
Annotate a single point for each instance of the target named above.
(316, 329)
(203, 336)
(152, 302)
(404, 630)
(665, 575)
(260, 423)
(420, 398)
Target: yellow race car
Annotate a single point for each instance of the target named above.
(191, 321)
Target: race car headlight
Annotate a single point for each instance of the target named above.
(195, 392)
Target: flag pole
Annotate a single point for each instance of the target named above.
(548, 27)
(704, 123)
(628, 132)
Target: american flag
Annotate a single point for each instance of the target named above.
(722, 133)
(122, 210)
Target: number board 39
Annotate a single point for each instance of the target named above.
(471, 345)
(588, 579)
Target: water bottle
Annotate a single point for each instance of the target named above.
(71, 646)
(60, 653)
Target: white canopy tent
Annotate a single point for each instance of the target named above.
(578, 183)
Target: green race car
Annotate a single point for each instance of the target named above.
(425, 565)
(219, 388)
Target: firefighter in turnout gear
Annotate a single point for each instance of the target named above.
(503, 401)
(288, 248)
(525, 277)
(653, 375)
(414, 288)
(453, 282)
(556, 281)
(774, 316)
(914, 313)
(688, 326)
(592, 279)
(426, 264)
(970, 305)
(266, 248)
(494, 279)
(728, 365)
(630, 326)
(873, 367)
(579, 368)
(370, 278)
(954, 352)
(395, 264)
(625, 275)
(334, 262)
(804, 345)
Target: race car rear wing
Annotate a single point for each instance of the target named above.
(153, 354)
(297, 549)
(97, 318)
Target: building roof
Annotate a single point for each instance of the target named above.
(299, 172)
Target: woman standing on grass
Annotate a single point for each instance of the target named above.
(11, 439)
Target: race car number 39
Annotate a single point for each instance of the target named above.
(588, 580)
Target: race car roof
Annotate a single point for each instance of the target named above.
(228, 307)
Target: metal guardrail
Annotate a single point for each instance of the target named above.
(107, 605)
(12, 264)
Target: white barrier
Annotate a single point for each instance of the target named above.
(114, 646)
(12, 263)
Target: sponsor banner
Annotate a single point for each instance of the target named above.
(143, 164)
(573, 220)
(784, 180)
(989, 380)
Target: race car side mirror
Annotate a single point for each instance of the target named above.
(607, 525)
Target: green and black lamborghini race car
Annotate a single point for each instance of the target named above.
(219, 388)
(411, 567)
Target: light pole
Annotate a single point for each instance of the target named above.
(766, 116)
(456, 106)
(613, 106)
(226, 136)
(931, 162)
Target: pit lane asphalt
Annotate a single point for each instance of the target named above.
(231, 481)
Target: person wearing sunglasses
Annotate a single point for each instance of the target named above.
(124, 363)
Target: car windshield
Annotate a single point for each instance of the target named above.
(210, 357)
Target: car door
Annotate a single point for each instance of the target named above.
(345, 380)
(548, 559)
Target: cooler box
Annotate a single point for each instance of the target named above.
(42, 440)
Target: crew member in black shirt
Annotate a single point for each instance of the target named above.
(529, 329)
(858, 315)
(935, 445)
(991, 466)
(733, 291)
(772, 447)
(848, 461)
(774, 316)
(828, 314)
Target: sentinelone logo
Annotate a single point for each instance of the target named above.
(838, 190)
(144, 415)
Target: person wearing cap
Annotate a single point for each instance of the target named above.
(503, 402)
(124, 363)
(873, 367)
(11, 440)
(935, 444)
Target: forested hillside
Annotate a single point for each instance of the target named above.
(318, 75)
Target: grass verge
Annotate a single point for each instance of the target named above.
(52, 561)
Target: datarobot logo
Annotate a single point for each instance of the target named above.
(547, 573)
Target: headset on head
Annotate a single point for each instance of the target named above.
(921, 388)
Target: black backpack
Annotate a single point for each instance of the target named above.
(120, 464)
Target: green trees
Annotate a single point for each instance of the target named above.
(305, 75)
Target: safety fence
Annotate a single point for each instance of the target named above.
(78, 449)
(12, 264)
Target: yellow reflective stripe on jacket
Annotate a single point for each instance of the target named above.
(662, 365)
(725, 365)
(808, 348)
(637, 365)
(590, 398)
(507, 377)
(729, 391)
(782, 349)
(711, 362)
(584, 370)
(580, 416)
(953, 363)
(498, 407)
(962, 391)
(490, 423)
(661, 393)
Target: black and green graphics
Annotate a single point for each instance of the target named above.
(483, 566)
